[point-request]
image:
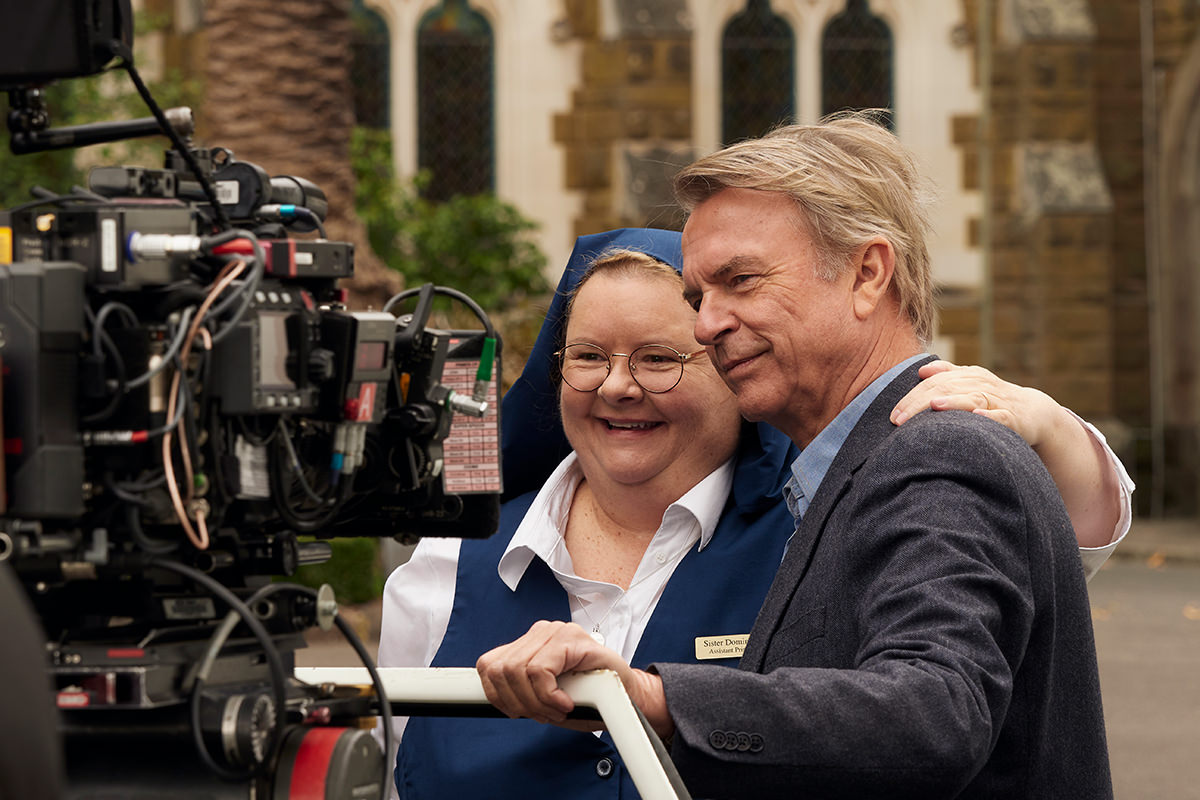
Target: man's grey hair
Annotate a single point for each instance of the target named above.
(851, 180)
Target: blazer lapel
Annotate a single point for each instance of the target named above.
(872, 428)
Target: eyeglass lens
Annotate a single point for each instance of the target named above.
(656, 368)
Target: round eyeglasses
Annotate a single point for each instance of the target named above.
(655, 367)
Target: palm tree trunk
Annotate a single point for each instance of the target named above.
(278, 94)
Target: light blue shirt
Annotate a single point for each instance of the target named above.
(809, 468)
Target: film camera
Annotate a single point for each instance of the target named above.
(185, 396)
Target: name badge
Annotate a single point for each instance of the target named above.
(729, 646)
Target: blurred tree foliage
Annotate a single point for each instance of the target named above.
(477, 244)
(55, 169)
(354, 571)
(99, 98)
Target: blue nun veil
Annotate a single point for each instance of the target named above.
(532, 438)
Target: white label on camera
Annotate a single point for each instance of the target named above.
(253, 478)
(227, 192)
(189, 608)
(108, 245)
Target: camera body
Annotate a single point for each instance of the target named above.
(57, 39)
(190, 411)
(284, 413)
(289, 387)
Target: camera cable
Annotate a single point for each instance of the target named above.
(303, 521)
(221, 634)
(483, 375)
(446, 291)
(245, 289)
(123, 52)
(274, 665)
(94, 369)
(168, 356)
(197, 535)
(297, 468)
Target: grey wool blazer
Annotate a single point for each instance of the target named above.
(927, 635)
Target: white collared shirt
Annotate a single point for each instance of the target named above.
(419, 594)
(1094, 557)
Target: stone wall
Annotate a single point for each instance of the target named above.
(629, 126)
(1065, 136)
(1051, 226)
(1176, 70)
(1120, 141)
(1063, 307)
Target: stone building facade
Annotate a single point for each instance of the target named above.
(1080, 297)
(629, 126)
(1063, 136)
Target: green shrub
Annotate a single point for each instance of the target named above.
(354, 571)
(477, 244)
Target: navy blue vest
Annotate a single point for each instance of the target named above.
(712, 592)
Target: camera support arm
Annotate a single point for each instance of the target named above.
(28, 121)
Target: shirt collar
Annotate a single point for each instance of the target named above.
(706, 500)
(541, 530)
(809, 468)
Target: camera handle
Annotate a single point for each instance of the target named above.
(29, 125)
(457, 691)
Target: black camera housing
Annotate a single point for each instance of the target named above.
(177, 360)
(51, 39)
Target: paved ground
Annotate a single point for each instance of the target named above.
(1146, 614)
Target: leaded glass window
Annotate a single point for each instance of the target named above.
(856, 62)
(455, 140)
(370, 67)
(758, 86)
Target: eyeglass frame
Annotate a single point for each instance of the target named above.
(684, 358)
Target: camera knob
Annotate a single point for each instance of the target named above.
(238, 726)
(320, 365)
(417, 418)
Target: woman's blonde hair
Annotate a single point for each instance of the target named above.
(851, 180)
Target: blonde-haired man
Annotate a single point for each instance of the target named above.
(928, 631)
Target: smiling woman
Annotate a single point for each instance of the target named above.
(663, 526)
(639, 450)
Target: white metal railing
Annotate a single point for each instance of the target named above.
(458, 689)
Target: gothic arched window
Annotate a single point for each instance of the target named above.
(856, 62)
(455, 91)
(370, 68)
(758, 83)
